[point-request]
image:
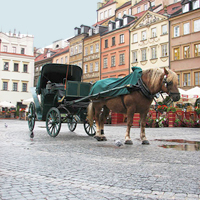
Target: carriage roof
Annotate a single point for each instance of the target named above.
(56, 73)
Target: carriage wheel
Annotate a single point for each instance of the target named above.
(53, 122)
(31, 116)
(72, 124)
(90, 130)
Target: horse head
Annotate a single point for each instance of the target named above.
(169, 85)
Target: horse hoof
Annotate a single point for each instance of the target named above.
(102, 138)
(129, 142)
(145, 142)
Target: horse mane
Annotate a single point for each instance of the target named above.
(154, 75)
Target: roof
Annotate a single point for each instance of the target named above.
(107, 4)
(139, 3)
(101, 22)
(64, 50)
(172, 9)
(128, 3)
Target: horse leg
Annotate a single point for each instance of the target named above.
(98, 120)
(142, 128)
(103, 117)
(129, 124)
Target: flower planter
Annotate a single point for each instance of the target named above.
(172, 117)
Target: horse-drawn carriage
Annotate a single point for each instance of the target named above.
(61, 93)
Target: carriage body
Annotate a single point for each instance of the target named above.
(59, 85)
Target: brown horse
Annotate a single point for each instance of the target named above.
(138, 101)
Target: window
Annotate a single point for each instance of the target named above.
(76, 50)
(24, 87)
(91, 49)
(178, 79)
(153, 3)
(57, 60)
(195, 4)
(138, 10)
(121, 59)
(124, 12)
(164, 50)
(119, 15)
(186, 51)
(86, 51)
(97, 47)
(5, 86)
(14, 50)
(129, 11)
(25, 68)
(6, 66)
(5, 48)
(186, 79)
(145, 7)
(72, 51)
(144, 55)
(105, 62)
(197, 25)
(176, 31)
(153, 53)
(176, 53)
(61, 60)
(186, 8)
(106, 43)
(112, 61)
(86, 69)
(125, 21)
(144, 35)
(117, 24)
(110, 27)
(164, 29)
(101, 16)
(113, 41)
(196, 50)
(15, 86)
(197, 78)
(186, 28)
(109, 12)
(22, 50)
(96, 67)
(91, 67)
(80, 48)
(66, 59)
(106, 14)
(121, 38)
(135, 38)
(134, 56)
(153, 32)
(16, 67)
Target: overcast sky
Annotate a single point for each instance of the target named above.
(46, 20)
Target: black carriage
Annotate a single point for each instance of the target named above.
(60, 97)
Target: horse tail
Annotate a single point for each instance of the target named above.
(90, 114)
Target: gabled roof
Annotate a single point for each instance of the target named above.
(107, 4)
(172, 9)
(128, 3)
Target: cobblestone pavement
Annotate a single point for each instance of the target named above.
(76, 166)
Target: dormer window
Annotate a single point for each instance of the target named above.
(82, 29)
(195, 4)
(110, 27)
(186, 8)
(97, 30)
(118, 24)
(76, 31)
(125, 21)
(90, 32)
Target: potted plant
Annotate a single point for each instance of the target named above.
(171, 109)
(177, 123)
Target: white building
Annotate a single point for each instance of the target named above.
(16, 67)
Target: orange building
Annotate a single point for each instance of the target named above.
(115, 48)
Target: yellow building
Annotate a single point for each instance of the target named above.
(149, 41)
(62, 56)
(76, 45)
(91, 60)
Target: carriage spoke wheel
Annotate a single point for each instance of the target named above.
(53, 122)
(31, 116)
(90, 130)
(72, 124)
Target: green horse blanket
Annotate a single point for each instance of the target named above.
(109, 84)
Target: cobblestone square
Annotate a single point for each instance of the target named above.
(75, 166)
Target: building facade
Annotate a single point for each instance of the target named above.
(62, 56)
(16, 66)
(185, 45)
(115, 48)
